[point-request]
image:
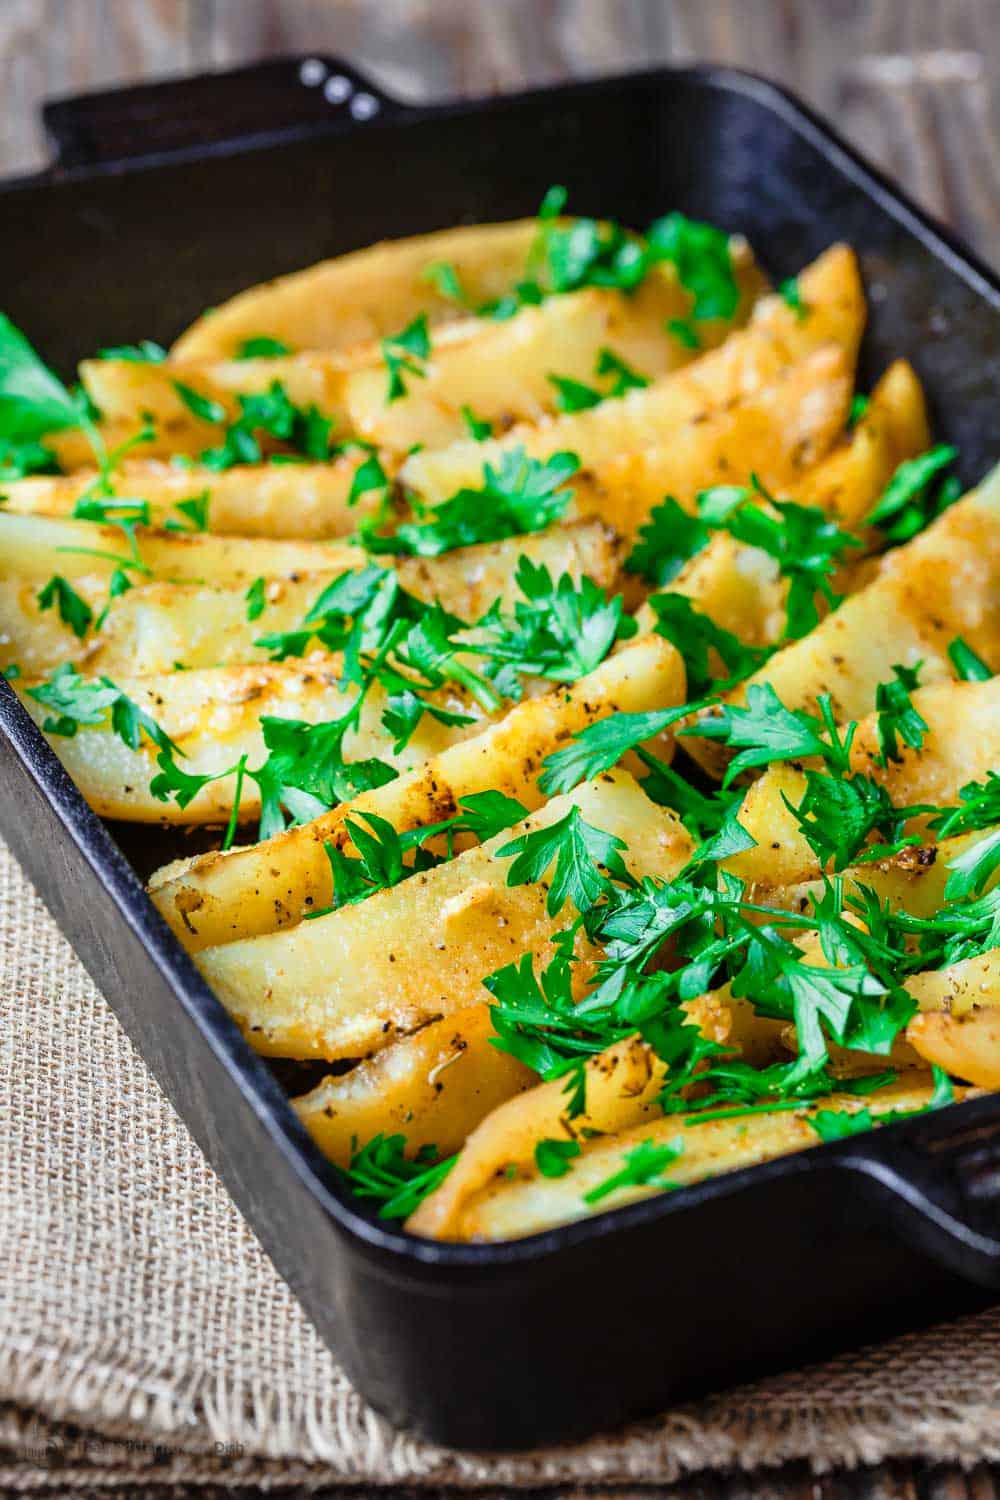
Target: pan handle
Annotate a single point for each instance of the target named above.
(939, 1184)
(263, 104)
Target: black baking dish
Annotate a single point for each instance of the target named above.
(169, 198)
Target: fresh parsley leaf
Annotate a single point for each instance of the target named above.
(577, 852)
(968, 663)
(73, 699)
(907, 503)
(478, 429)
(553, 1157)
(979, 807)
(644, 1166)
(696, 636)
(684, 332)
(145, 352)
(896, 717)
(972, 870)
(804, 542)
(790, 293)
(73, 610)
(20, 459)
(520, 495)
(700, 253)
(573, 395)
(601, 745)
(764, 730)
(406, 353)
(626, 378)
(203, 407)
(262, 347)
(368, 476)
(382, 1172)
(666, 542)
(560, 630)
(859, 407)
(443, 277)
(195, 512)
(32, 400)
(256, 598)
(837, 814)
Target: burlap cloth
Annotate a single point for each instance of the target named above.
(144, 1334)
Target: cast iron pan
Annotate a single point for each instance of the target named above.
(168, 198)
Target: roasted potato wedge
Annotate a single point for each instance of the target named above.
(434, 1086)
(283, 501)
(509, 1208)
(217, 898)
(935, 774)
(155, 626)
(945, 583)
(213, 716)
(748, 360)
(356, 978)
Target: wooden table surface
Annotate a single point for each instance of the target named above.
(915, 84)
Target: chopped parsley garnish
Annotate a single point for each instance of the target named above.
(644, 1167)
(195, 513)
(979, 807)
(553, 1157)
(203, 407)
(381, 857)
(696, 636)
(382, 1172)
(271, 412)
(443, 277)
(145, 352)
(968, 663)
(909, 501)
(256, 598)
(76, 700)
(478, 429)
(684, 332)
(73, 610)
(406, 353)
(601, 745)
(700, 253)
(519, 495)
(577, 851)
(896, 717)
(262, 347)
(859, 407)
(666, 542)
(763, 730)
(574, 395)
(791, 294)
(804, 542)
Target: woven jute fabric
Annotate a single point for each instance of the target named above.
(143, 1332)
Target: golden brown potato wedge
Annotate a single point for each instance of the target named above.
(352, 980)
(509, 1208)
(217, 898)
(157, 625)
(962, 744)
(39, 546)
(958, 1027)
(945, 583)
(366, 295)
(775, 432)
(301, 501)
(125, 391)
(373, 293)
(739, 587)
(748, 360)
(621, 1091)
(434, 1087)
(213, 716)
(502, 371)
(913, 880)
